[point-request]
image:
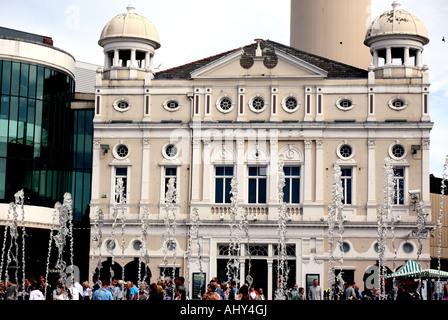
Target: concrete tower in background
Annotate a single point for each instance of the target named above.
(334, 29)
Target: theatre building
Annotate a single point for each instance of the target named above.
(234, 115)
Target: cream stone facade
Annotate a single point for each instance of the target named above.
(234, 115)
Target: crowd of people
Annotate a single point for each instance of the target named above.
(116, 289)
(34, 289)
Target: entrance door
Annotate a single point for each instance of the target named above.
(259, 274)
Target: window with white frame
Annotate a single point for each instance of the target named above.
(257, 184)
(169, 173)
(291, 190)
(399, 185)
(347, 181)
(121, 184)
(223, 178)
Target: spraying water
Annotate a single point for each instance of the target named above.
(440, 222)
(334, 211)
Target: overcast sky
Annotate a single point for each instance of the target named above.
(190, 30)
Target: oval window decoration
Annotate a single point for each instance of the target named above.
(122, 105)
(397, 103)
(290, 104)
(345, 104)
(172, 104)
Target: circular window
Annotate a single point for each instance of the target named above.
(110, 244)
(121, 151)
(397, 151)
(408, 247)
(345, 151)
(225, 104)
(290, 104)
(137, 245)
(397, 103)
(172, 104)
(257, 104)
(345, 247)
(171, 245)
(345, 104)
(376, 247)
(170, 151)
(122, 105)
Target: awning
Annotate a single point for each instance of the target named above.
(411, 268)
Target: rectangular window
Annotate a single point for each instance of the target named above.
(121, 173)
(399, 185)
(257, 185)
(223, 178)
(291, 190)
(347, 179)
(170, 172)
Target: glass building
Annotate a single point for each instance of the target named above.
(45, 145)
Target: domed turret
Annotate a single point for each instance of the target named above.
(129, 41)
(396, 39)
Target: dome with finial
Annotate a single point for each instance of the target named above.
(130, 25)
(397, 22)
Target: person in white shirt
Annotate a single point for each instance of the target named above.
(35, 293)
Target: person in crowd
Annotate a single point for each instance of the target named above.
(46, 288)
(59, 293)
(445, 292)
(103, 293)
(260, 295)
(358, 293)
(74, 292)
(315, 292)
(243, 293)
(35, 293)
(12, 291)
(2, 291)
(180, 293)
(294, 293)
(211, 293)
(154, 293)
(86, 291)
(218, 290)
(252, 292)
(232, 292)
(225, 290)
(350, 292)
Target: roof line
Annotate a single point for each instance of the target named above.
(203, 59)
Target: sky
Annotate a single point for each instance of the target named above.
(191, 30)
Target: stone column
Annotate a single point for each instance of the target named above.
(425, 172)
(206, 171)
(144, 196)
(95, 197)
(319, 173)
(388, 56)
(240, 167)
(195, 170)
(308, 176)
(371, 183)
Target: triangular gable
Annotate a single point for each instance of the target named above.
(287, 66)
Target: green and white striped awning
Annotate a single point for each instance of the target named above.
(411, 268)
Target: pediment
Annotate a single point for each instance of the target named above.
(239, 65)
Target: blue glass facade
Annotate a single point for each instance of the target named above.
(45, 147)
